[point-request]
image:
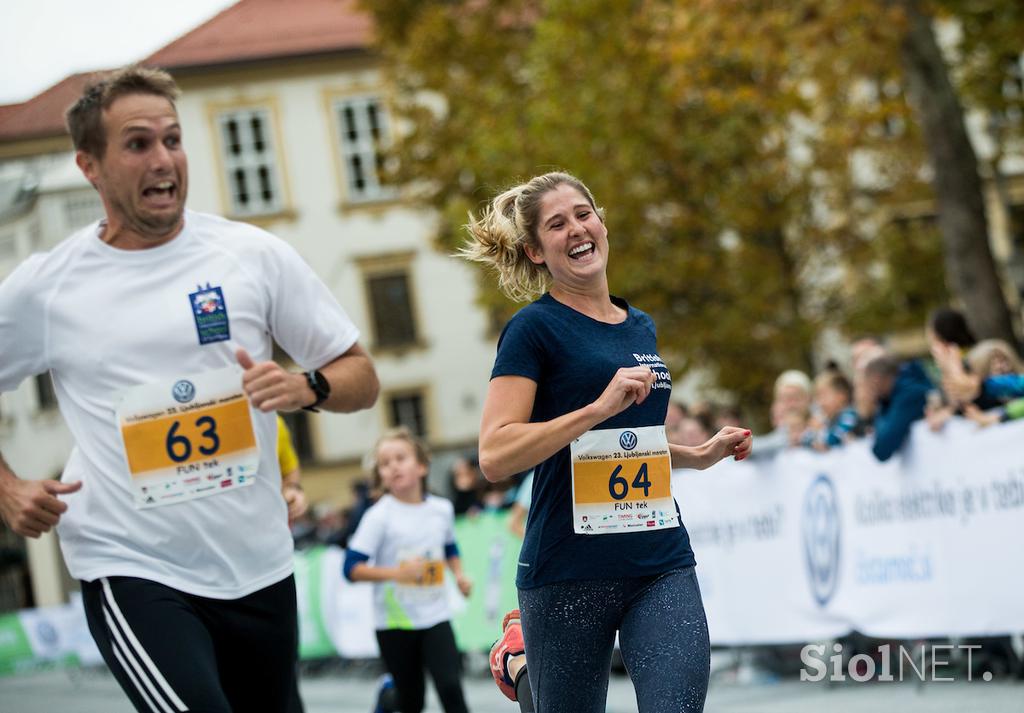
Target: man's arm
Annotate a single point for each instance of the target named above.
(270, 387)
(294, 496)
(31, 507)
(354, 384)
(893, 426)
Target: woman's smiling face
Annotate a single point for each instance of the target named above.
(573, 238)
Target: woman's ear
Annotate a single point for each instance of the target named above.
(535, 254)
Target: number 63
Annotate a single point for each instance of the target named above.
(179, 447)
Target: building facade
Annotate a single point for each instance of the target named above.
(285, 117)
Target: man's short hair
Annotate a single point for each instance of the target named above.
(85, 117)
(883, 365)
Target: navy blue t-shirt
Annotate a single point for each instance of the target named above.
(572, 358)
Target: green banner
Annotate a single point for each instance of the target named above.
(489, 556)
(17, 653)
(15, 649)
(314, 641)
(490, 553)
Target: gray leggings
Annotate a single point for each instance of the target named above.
(569, 631)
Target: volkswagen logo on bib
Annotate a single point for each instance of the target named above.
(183, 391)
(821, 538)
(627, 440)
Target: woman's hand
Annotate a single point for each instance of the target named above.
(630, 385)
(730, 441)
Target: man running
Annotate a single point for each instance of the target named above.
(156, 324)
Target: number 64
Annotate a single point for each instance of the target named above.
(618, 486)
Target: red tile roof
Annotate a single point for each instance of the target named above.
(266, 29)
(7, 110)
(42, 115)
(248, 31)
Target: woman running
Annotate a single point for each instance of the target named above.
(579, 393)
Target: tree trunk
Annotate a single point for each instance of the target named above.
(958, 190)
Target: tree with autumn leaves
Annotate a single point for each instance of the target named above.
(754, 158)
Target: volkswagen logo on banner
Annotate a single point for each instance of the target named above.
(627, 440)
(821, 538)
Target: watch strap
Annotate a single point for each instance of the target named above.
(320, 387)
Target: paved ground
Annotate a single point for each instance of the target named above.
(351, 691)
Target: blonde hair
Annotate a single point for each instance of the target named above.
(498, 238)
(793, 377)
(401, 433)
(979, 358)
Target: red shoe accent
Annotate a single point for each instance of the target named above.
(510, 644)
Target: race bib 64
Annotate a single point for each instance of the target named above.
(622, 481)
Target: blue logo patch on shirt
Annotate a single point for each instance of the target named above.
(210, 313)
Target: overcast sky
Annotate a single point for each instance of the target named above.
(43, 41)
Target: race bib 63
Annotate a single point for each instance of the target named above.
(188, 438)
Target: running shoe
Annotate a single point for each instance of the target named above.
(510, 644)
(384, 685)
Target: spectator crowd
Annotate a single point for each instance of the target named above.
(880, 395)
(877, 395)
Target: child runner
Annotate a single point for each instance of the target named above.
(401, 545)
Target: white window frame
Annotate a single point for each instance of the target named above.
(257, 165)
(363, 134)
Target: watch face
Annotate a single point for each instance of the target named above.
(318, 382)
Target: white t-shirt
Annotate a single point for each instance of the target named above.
(393, 531)
(104, 320)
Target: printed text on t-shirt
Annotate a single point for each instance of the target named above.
(663, 380)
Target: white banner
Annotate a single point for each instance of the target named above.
(809, 546)
(801, 547)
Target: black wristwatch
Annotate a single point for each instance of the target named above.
(320, 386)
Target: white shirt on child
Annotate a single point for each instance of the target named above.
(392, 532)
